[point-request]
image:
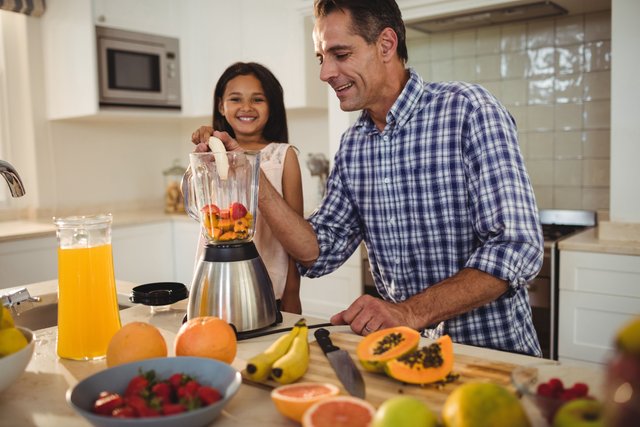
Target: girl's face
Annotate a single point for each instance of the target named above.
(245, 106)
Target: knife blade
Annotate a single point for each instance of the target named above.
(342, 364)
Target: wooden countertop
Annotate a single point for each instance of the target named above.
(589, 241)
(27, 229)
(38, 397)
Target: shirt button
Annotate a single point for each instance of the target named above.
(387, 180)
(392, 221)
(397, 260)
(385, 138)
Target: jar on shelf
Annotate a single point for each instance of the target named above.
(173, 201)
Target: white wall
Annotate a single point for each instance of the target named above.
(625, 93)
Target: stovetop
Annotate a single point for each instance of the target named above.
(557, 224)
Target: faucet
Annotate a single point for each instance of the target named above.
(13, 179)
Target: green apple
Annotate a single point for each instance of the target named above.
(405, 411)
(579, 413)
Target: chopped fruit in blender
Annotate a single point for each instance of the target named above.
(226, 225)
(237, 210)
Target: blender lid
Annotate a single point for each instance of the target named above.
(160, 293)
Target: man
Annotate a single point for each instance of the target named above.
(431, 177)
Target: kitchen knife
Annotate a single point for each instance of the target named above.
(342, 364)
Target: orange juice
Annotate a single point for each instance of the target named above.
(87, 303)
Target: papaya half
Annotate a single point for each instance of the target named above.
(423, 366)
(376, 349)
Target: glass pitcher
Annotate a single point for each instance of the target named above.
(225, 193)
(88, 313)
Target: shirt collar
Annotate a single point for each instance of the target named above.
(402, 109)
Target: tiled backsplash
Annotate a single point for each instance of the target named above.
(554, 77)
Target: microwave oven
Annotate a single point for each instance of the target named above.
(137, 69)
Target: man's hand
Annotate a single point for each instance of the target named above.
(201, 138)
(368, 314)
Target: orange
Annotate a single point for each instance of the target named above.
(207, 336)
(135, 341)
(293, 400)
(339, 411)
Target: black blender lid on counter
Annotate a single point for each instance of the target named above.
(160, 293)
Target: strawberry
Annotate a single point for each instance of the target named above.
(136, 386)
(545, 390)
(176, 380)
(140, 406)
(556, 385)
(580, 389)
(567, 395)
(172, 408)
(107, 403)
(124, 412)
(211, 209)
(238, 210)
(162, 391)
(208, 395)
(189, 389)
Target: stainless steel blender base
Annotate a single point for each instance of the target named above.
(231, 282)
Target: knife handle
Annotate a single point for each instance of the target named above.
(322, 336)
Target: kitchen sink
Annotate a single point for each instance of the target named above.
(44, 314)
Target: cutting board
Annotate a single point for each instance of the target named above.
(380, 387)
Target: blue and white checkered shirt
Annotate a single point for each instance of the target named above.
(441, 188)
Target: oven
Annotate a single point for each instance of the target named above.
(544, 288)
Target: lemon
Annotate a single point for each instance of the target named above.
(481, 404)
(6, 320)
(628, 336)
(11, 341)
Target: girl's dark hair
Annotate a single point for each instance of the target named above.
(369, 18)
(276, 128)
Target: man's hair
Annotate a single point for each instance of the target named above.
(369, 18)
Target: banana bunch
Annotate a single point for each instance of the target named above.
(286, 360)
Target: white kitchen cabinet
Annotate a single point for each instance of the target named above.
(28, 261)
(598, 293)
(146, 16)
(327, 295)
(186, 234)
(143, 253)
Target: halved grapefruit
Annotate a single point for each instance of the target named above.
(292, 400)
(339, 411)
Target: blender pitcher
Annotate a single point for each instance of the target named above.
(230, 280)
(88, 313)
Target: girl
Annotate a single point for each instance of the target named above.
(248, 104)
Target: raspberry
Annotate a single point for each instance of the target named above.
(580, 389)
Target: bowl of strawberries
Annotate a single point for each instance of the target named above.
(166, 391)
(550, 384)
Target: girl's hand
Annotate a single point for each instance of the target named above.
(201, 138)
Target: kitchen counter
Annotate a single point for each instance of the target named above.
(38, 397)
(589, 241)
(26, 229)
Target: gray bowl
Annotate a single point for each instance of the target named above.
(206, 371)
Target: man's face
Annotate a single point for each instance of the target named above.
(348, 64)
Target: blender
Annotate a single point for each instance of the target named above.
(230, 280)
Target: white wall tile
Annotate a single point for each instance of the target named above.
(567, 198)
(488, 67)
(464, 69)
(488, 40)
(597, 114)
(541, 90)
(514, 92)
(514, 37)
(464, 43)
(597, 26)
(540, 117)
(540, 171)
(597, 85)
(514, 65)
(596, 173)
(568, 145)
(441, 46)
(570, 30)
(442, 71)
(519, 113)
(569, 88)
(540, 145)
(597, 56)
(595, 198)
(418, 49)
(567, 173)
(569, 59)
(569, 117)
(540, 33)
(597, 144)
(544, 196)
